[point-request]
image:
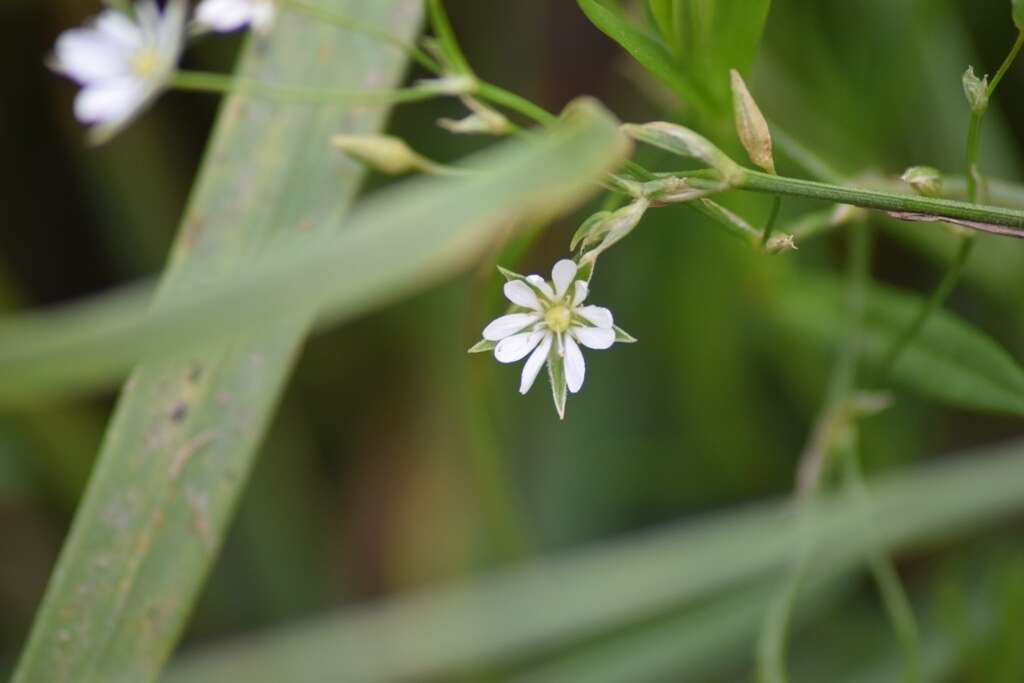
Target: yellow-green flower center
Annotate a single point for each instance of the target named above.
(558, 318)
(145, 63)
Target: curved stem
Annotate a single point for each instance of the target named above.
(952, 277)
(933, 304)
(517, 103)
(199, 81)
(832, 423)
(340, 21)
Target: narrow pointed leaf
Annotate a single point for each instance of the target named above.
(187, 425)
(396, 243)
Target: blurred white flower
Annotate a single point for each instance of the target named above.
(548, 323)
(230, 15)
(121, 62)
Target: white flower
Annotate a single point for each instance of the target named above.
(548, 323)
(230, 15)
(121, 63)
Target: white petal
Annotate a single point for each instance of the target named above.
(521, 294)
(534, 364)
(514, 348)
(86, 57)
(562, 276)
(263, 16)
(575, 368)
(508, 325)
(541, 284)
(581, 292)
(600, 316)
(171, 42)
(224, 15)
(118, 29)
(599, 338)
(147, 13)
(109, 101)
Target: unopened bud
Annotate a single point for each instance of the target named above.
(482, 121)
(684, 142)
(675, 190)
(925, 180)
(456, 85)
(976, 90)
(780, 243)
(609, 229)
(751, 125)
(1018, 14)
(384, 153)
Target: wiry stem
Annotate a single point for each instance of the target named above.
(953, 274)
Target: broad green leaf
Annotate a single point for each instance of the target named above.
(716, 36)
(644, 48)
(397, 242)
(527, 610)
(184, 433)
(949, 361)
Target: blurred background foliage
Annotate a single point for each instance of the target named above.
(396, 461)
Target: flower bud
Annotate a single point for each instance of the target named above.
(684, 142)
(608, 228)
(482, 121)
(976, 90)
(751, 125)
(925, 180)
(384, 153)
(1018, 14)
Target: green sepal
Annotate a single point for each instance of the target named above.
(482, 346)
(510, 275)
(623, 337)
(556, 373)
(589, 226)
(1018, 14)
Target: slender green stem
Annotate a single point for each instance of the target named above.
(332, 18)
(769, 226)
(973, 142)
(952, 277)
(833, 422)
(1007, 63)
(197, 81)
(509, 100)
(890, 587)
(988, 218)
(443, 29)
(934, 303)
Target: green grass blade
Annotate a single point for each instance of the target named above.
(650, 52)
(949, 361)
(412, 236)
(527, 610)
(181, 442)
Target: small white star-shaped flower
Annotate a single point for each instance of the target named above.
(225, 16)
(122, 63)
(548, 322)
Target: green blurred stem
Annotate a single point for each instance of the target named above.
(832, 425)
(517, 103)
(770, 225)
(446, 36)
(890, 587)
(934, 303)
(952, 277)
(198, 81)
(340, 21)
